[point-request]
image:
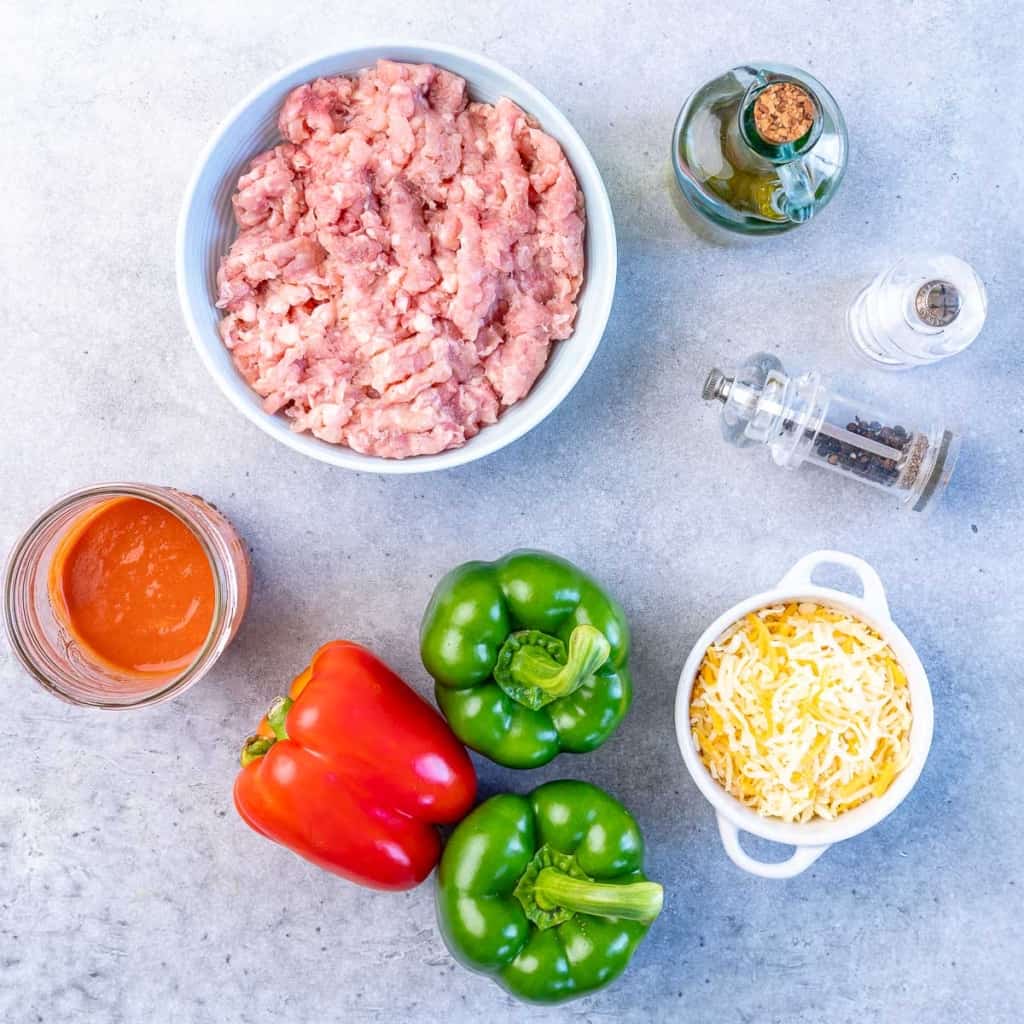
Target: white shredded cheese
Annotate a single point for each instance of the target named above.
(801, 711)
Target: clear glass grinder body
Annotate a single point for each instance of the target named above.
(801, 420)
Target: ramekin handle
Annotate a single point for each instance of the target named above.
(803, 856)
(874, 592)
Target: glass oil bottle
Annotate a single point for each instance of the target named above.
(801, 420)
(760, 149)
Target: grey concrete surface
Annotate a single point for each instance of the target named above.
(129, 889)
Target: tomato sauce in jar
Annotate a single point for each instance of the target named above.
(122, 595)
(132, 584)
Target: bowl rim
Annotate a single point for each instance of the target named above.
(816, 833)
(490, 439)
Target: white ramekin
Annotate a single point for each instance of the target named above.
(206, 228)
(813, 838)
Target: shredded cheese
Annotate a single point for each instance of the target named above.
(801, 711)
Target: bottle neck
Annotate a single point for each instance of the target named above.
(779, 118)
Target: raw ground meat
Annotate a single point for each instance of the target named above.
(404, 261)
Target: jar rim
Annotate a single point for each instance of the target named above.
(171, 500)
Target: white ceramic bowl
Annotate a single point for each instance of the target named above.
(813, 838)
(206, 228)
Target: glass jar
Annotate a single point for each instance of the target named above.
(45, 647)
(801, 420)
(760, 149)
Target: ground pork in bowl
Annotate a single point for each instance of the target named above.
(388, 301)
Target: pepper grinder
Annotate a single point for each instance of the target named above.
(800, 419)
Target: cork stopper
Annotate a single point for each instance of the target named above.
(783, 112)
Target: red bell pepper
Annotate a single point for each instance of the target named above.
(354, 770)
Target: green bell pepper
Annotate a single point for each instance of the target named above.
(545, 893)
(529, 656)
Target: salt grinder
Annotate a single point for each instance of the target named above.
(801, 420)
(926, 307)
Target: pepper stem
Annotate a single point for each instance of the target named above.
(256, 746)
(535, 668)
(277, 715)
(634, 901)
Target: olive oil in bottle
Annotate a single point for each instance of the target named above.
(760, 149)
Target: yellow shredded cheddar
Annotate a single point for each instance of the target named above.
(801, 711)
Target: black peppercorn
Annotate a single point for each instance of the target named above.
(863, 463)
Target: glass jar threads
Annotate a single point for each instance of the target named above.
(801, 420)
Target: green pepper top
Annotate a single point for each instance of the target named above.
(546, 893)
(529, 655)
